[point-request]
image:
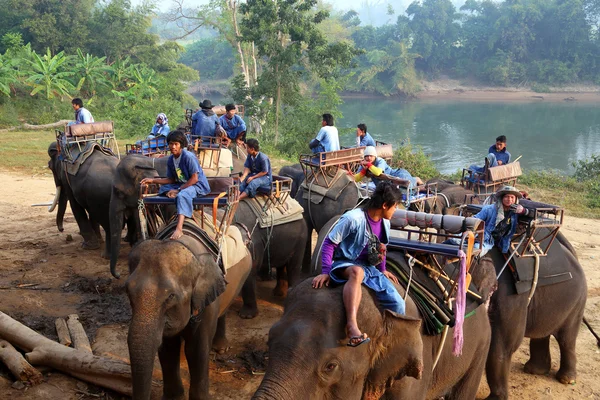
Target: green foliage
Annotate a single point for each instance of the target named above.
(92, 72)
(588, 169)
(415, 161)
(540, 88)
(214, 57)
(48, 75)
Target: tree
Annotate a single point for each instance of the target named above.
(434, 33)
(48, 76)
(287, 37)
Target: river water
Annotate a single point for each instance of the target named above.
(457, 134)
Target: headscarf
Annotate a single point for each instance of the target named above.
(164, 118)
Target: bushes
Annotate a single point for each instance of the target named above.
(415, 161)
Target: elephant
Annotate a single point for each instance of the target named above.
(555, 310)
(280, 247)
(177, 293)
(88, 193)
(124, 199)
(308, 357)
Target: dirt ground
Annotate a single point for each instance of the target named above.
(70, 280)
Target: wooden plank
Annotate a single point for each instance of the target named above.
(63, 331)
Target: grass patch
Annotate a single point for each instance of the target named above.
(25, 151)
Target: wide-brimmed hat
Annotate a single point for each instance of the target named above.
(370, 151)
(508, 190)
(206, 104)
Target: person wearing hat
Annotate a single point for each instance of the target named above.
(233, 124)
(373, 166)
(501, 219)
(185, 179)
(205, 121)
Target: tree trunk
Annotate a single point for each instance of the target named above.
(58, 124)
(105, 372)
(277, 103)
(62, 330)
(80, 339)
(17, 364)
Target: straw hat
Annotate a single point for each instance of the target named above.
(370, 151)
(508, 190)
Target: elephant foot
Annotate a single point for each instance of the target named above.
(220, 345)
(537, 368)
(90, 245)
(281, 289)
(105, 255)
(248, 312)
(566, 378)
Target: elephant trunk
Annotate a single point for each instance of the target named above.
(117, 208)
(274, 388)
(144, 338)
(62, 207)
(286, 382)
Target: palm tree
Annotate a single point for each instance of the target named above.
(48, 77)
(92, 71)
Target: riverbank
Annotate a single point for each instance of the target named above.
(455, 90)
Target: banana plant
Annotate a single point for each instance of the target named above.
(48, 76)
(92, 71)
(8, 75)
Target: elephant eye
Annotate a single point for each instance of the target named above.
(330, 367)
(171, 297)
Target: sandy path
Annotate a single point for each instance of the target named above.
(33, 251)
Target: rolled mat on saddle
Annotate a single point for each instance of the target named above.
(449, 223)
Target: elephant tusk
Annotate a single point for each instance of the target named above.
(56, 197)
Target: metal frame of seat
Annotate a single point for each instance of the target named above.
(157, 145)
(105, 139)
(281, 187)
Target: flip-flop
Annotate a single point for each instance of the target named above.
(364, 340)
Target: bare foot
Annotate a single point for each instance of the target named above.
(177, 234)
(355, 335)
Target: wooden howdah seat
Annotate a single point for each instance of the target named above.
(491, 178)
(78, 135)
(321, 168)
(281, 187)
(149, 147)
(224, 193)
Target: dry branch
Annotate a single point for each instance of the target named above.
(101, 371)
(17, 364)
(58, 124)
(78, 335)
(63, 331)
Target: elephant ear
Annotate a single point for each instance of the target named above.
(208, 285)
(400, 354)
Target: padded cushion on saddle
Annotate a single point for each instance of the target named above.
(274, 215)
(72, 167)
(89, 129)
(449, 223)
(198, 201)
(385, 151)
(220, 184)
(318, 192)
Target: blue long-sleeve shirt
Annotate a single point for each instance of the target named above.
(502, 155)
(233, 126)
(204, 123)
(489, 214)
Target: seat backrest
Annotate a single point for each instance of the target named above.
(385, 151)
(510, 170)
(89, 129)
(219, 184)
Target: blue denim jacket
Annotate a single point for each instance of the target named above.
(488, 214)
(352, 235)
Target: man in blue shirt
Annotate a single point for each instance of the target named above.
(327, 139)
(257, 171)
(497, 155)
(362, 136)
(233, 124)
(185, 179)
(204, 122)
(82, 115)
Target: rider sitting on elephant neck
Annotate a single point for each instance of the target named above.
(353, 253)
(185, 179)
(257, 173)
(501, 219)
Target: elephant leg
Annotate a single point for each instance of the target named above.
(168, 354)
(567, 339)
(96, 229)
(306, 260)
(540, 360)
(90, 239)
(250, 308)
(197, 349)
(508, 319)
(220, 342)
(467, 387)
(282, 282)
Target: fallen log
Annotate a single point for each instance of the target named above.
(58, 124)
(63, 331)
(17, 364)
(78, 335)
(101, 371)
